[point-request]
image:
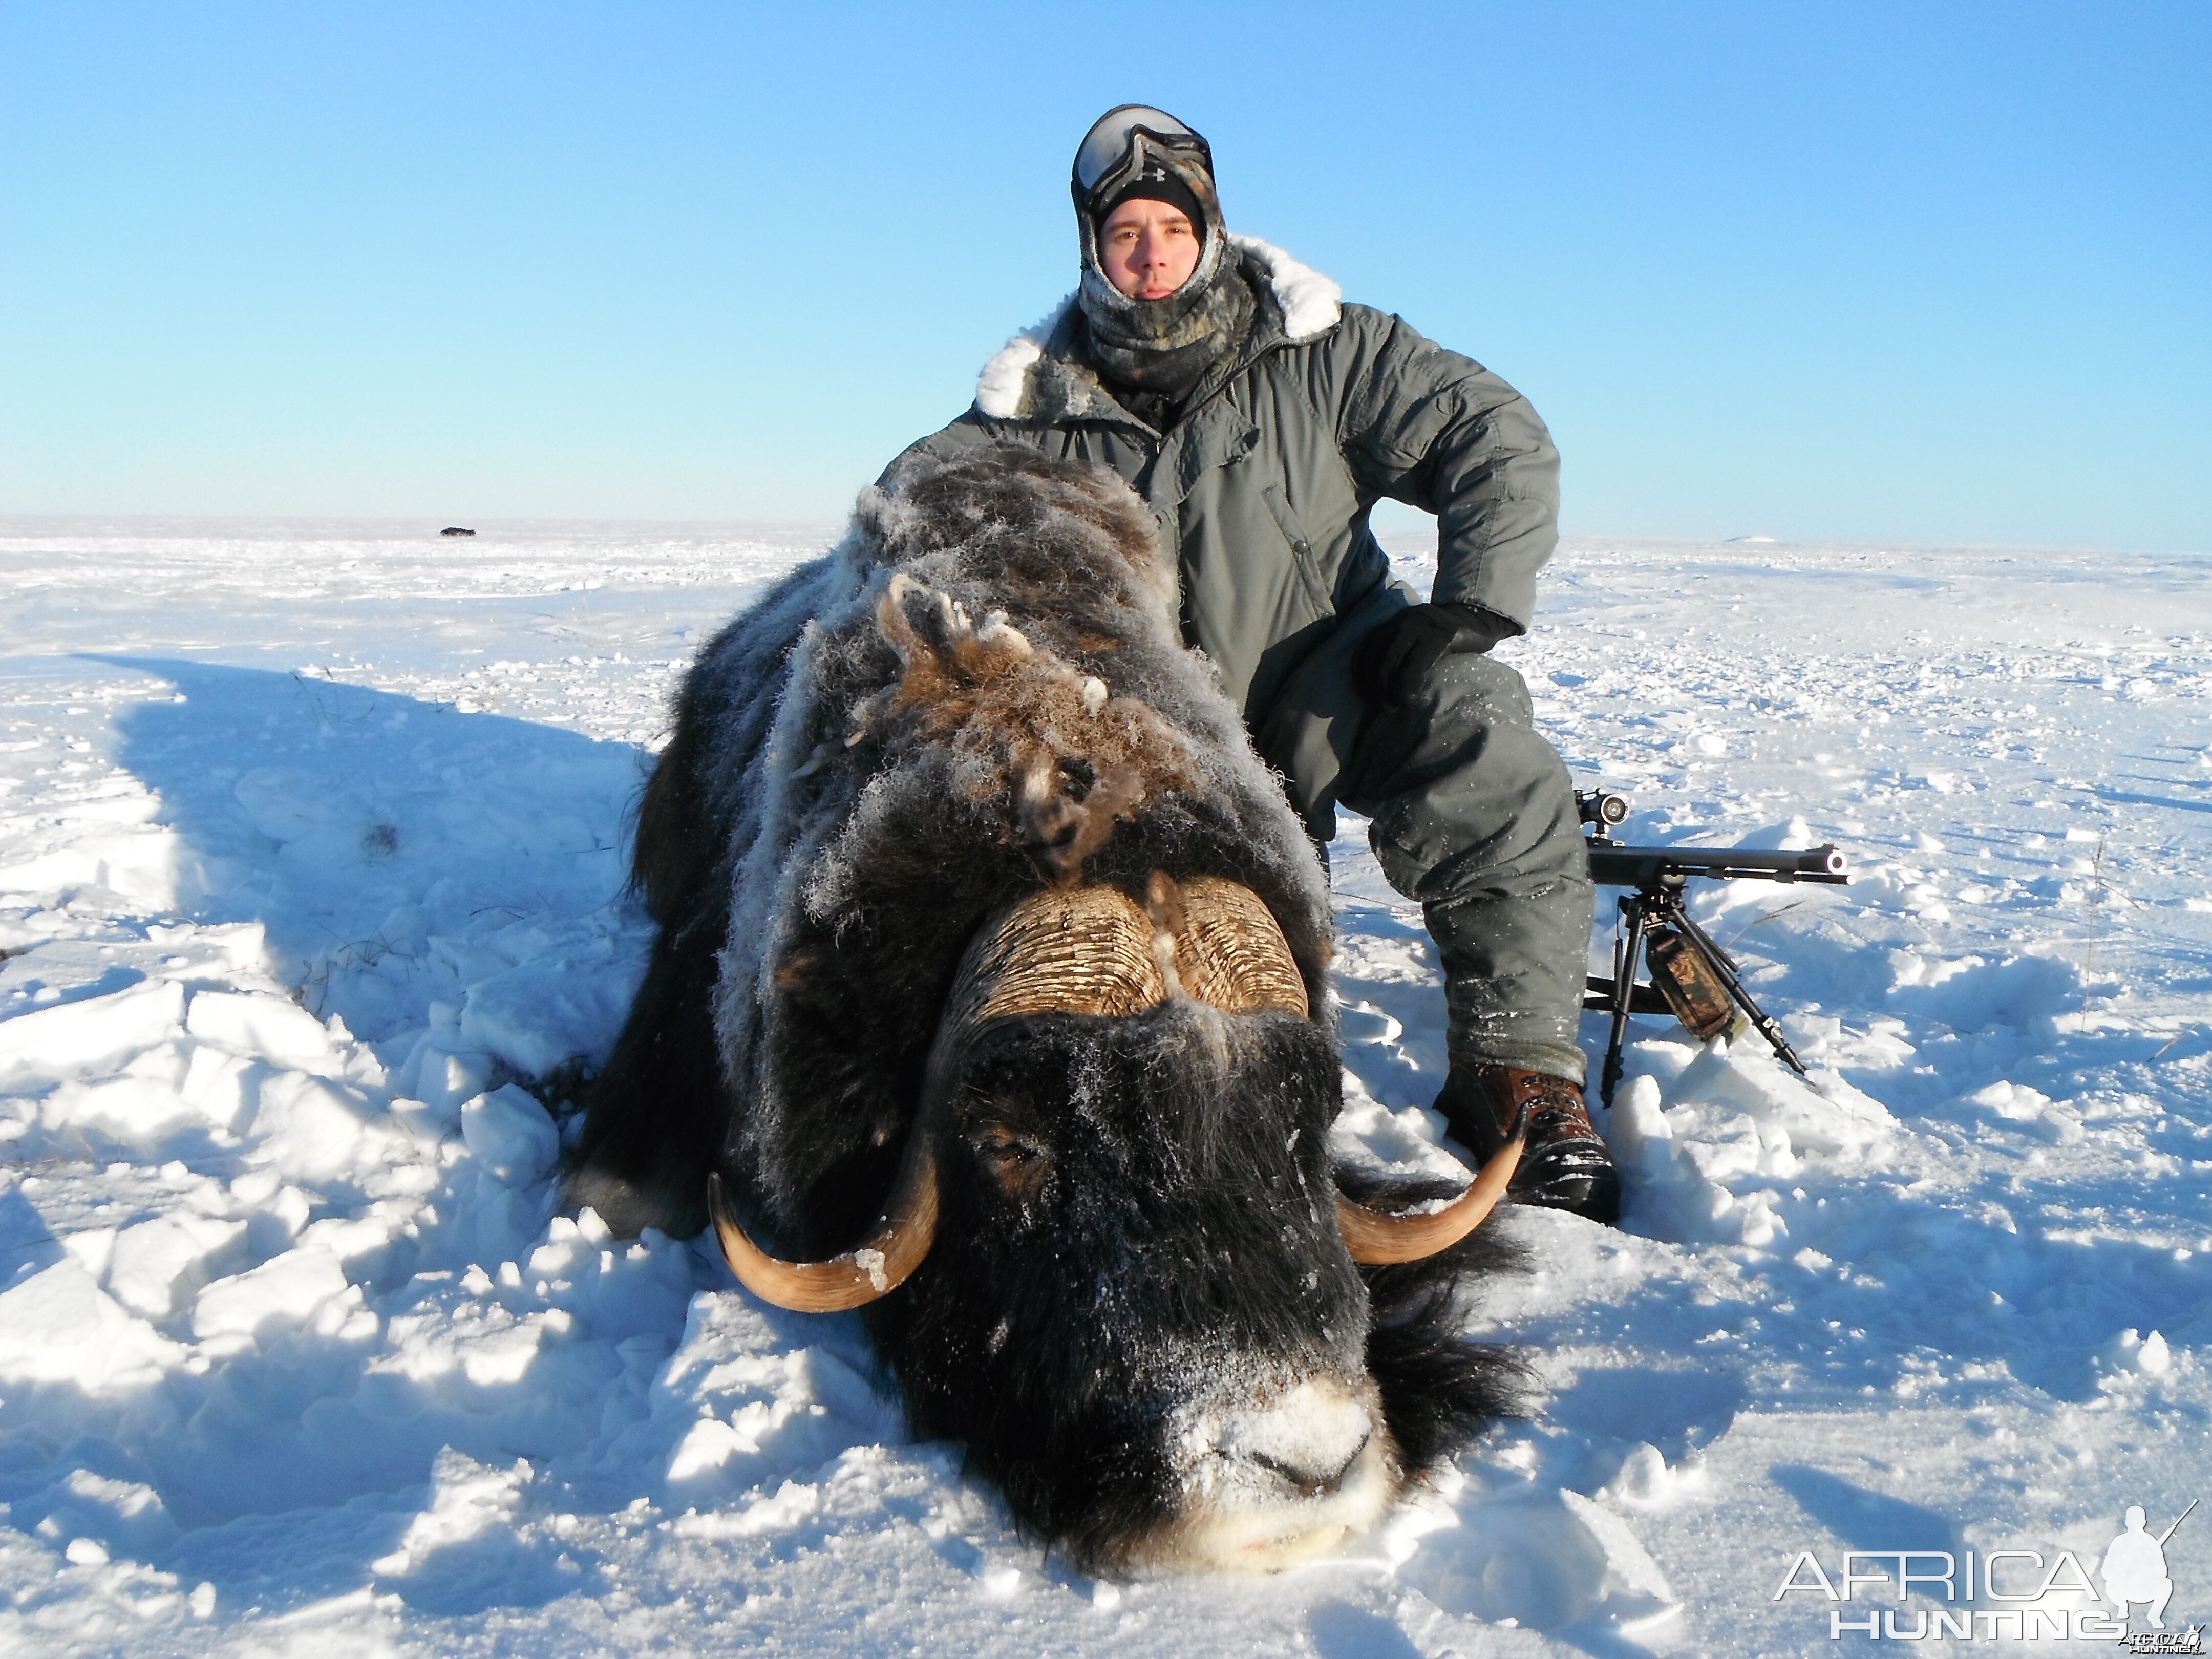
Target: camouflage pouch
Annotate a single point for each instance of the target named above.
(1698, 998)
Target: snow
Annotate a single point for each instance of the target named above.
(311, 859)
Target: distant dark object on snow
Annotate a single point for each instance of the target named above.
(456, 530)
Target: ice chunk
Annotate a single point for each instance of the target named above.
(216, 1086)
(487, 1345)
(288, 1289)
(129, 1111)
(1637, 1129)
(138, 867)
(94, 1247)
(1825, 1115)
(536, 1016)
(80, 1038)
(707, 1446)
(285, 1208)
(442, 1079)
(351, 1238)
(792, 1503)
(1646, 1481)
(2131, 1351)
(506, 1351)
(2016, 1103)
(265, 1028)
(150, 1263)
(512, 1133)
(59, 1326)
(308, 1127)
(468, 1499)
(1973, 994)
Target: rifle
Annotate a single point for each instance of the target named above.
(1692, 977)
(2178, 1520)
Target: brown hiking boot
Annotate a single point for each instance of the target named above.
(1564, 1166)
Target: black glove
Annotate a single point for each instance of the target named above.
(1391, 665)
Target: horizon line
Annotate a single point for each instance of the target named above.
(14, 526)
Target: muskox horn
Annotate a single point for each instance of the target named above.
(1379, 1237)
(1227, 949)
(1065, 950)
(1230, 951)
(901, 1239)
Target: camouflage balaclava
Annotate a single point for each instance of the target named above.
(1163, 347)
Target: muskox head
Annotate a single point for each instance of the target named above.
(1125, 1278)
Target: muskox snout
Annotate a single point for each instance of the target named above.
(1273, 1482)
(1309, 1441)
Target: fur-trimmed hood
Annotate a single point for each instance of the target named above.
(1023, 378)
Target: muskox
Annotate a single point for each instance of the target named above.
(989, 997)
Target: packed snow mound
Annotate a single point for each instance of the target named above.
(299, 960)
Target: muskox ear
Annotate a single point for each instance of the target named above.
(1059, 827)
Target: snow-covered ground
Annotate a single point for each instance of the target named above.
(311, 846)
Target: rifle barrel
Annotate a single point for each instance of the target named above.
(2176, 1527)
(1612, 864)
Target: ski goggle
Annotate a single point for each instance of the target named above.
(1118, 138)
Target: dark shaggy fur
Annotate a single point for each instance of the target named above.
(981, 691)
(1438, 1389)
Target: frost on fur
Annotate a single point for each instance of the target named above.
(992, 661)
(1136, 1312)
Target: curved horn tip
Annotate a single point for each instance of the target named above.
(1380, 1238)
(897, 1246)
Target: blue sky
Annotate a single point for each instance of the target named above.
(1932, 272)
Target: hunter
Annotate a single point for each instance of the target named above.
(1261, 417)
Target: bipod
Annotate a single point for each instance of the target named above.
(1695, 968)
(1658, 903)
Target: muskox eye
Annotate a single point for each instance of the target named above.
(1001, 1144)
(1014, 1161)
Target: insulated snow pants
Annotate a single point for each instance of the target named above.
(1474, 816)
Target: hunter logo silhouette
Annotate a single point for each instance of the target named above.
(2134, 1567)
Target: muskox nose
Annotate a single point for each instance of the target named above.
(1310, 1440)
(1312, 1482)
